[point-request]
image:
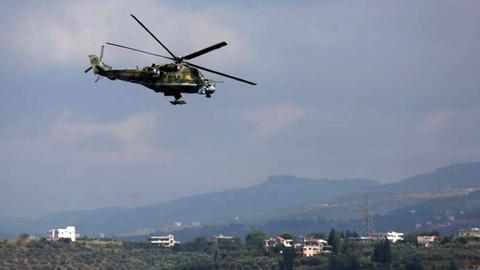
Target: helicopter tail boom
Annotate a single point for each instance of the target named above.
(97, 64)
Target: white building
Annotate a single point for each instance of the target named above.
(426, 240)
(311, 250)
(270, 243)
(167, 241)
(315, 241)
(473, 232)
(223, 237)
(67, 233)
(195, 224)
(361, 239)
(309, 247)
(285, 242)
(391, 236)
(314, 247)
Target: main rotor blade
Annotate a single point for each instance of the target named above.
(220, 73)
(146, 29)
(137, 50)
(204, 51)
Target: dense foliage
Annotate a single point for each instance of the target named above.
(206, 253)
(334, 240)
(382, 252)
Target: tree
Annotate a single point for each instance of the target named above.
(435, 233)
(255, 239)
(288, 254)
(343, 262)
(65, 240)
(349, 234)
(316, 235)
(452, 265)
(287, 236)
(382, 252)
(411, 238)
(463, 240)
(23, 236)
(446, 240)
(387, 252)
(229, 244)
(43, 241)
(201, 244)
(334, 240)
(414, 265)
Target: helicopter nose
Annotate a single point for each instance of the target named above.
(210, 88)
(210, 91)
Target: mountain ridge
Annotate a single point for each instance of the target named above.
(275, 195)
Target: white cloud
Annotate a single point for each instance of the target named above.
(271, 120)
(446, 137)
(133, 139)
(451, 126)
(135, 133)
(66, 34)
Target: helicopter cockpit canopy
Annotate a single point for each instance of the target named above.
(154, 71)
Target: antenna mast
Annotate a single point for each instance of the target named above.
(367, 217)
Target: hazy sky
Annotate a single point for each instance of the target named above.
(372, 89)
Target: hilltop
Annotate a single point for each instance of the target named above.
(288, 202)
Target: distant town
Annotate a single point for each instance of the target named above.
(345, 249)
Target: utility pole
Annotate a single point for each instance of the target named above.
(367, 217)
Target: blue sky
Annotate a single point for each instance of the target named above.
(371, 89)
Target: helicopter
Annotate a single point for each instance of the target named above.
(172, 79)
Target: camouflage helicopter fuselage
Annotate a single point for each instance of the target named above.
(170, 79)
(174, 79)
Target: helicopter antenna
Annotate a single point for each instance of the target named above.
(101, 52)
(151, 34)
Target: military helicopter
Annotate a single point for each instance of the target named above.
(171, 79)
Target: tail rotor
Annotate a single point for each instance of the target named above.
(98, 65)
(101, 56)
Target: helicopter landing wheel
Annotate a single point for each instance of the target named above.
(178, 100)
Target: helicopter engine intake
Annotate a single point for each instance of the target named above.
(155, 72)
